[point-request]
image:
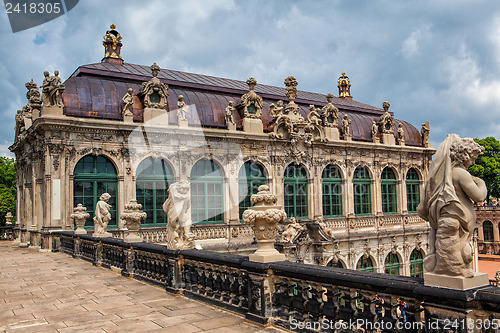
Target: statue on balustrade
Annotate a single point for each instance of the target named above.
(178, 210)
(292, 229)
(52, 89)
(447, 204)
(102, 216)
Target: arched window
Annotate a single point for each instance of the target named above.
(488, 231)
(95, 175)
(412, 190)
(337, 264)
(207, 193)
(362, 191)
(296, 201)
(153, 179)
(331, 184)
(365, 264)
(417, 264)
(250, 177)
(389, 194)
(392, 264)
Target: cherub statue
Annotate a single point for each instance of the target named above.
(127, 102)
(374, 131)
(230, 113)
(345, 127)
(178, 210)
(425, 133)
(401, 134)
(102, 214)
(313, 116)
(447, 204)
(292, 229)
(182, 108)
(276, 110)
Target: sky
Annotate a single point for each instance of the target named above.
(436, 61)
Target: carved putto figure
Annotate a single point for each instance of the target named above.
(182, 108)
(127, 102)
(374, 131)
(330, 113)
(386, 121)
(52, 89)
(401, 134)
(346, 132)
(448, 206)
(154, 93)
(102, 214)
(293, 228)
(252, 102)
(230, 113)
(178, 210)
(313, 116)
(425, 133)
(276, 110)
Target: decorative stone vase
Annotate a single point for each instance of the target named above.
(133, 217)
(264, 217)
(80, 215)
(8, 218)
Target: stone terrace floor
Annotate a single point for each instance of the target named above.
(52, 292)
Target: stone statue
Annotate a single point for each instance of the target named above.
(52, 89)
(401, 134)
(292, 229)
(345, 127)
(154, 93)
(102, 216)
(313, 116)
(230, 113)
(386, 121)
(330, 113)
(276, 110)
(374, 132)
(127, 102)
(252, 102)
(178, 210)
(448, 206)
(182, 109)
(425, 133)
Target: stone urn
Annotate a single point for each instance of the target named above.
(8, 218)
(133, 217)
(80, 215)
(264, 217)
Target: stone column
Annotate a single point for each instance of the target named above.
(480, 232)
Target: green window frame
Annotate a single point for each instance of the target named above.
(153, 177)
(392, 264)
(250, 177)
(488, 232)
(412, 190)
(331, 185)
(389, 191)
(93, 176)
(362, 191)
(207, 193)
(365, 264)
(295, 192)
(416, 264)
(337, 264)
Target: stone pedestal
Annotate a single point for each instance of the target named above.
(402, 143)
(253, 126)
(183, 123)
(80, 215)
(376, 140)
(347, 138)
(388, 139)
(35, 114)
(128, 118)
(456, 282)
(104, 234)
(133, 217)
(231, 127)
(332, 133)
(151, 113)
(52, 111)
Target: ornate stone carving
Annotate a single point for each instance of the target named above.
(252, 103)
(112, 45)
(426, 128)
(386, 121)
(182, 109)
(448, 206)
(52, 90)
(276, 110)
(346, 130)
(292, 229)
(102, 216)
(178, 210)
(127, 102)
(264, 217)
(330, 113)
(313, 116)
(401, 135)
(375, 134)
(133, 217)
(154, 94)
(292, 109)
(229, 115)
(80, 215)
(8, 218)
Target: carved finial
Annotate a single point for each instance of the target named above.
(155, 69)
(386, 105)
(251, 83)
(329, 97)
(291, 88)
(112, 46)
(344, 85)
(252, 102)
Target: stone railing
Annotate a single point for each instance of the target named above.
(294, 296)
(488, 247)
(7, 232)
(487, 207)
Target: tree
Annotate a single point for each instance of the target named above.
(487, 166)
(7, 187)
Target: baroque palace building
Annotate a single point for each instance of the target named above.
(348, 173)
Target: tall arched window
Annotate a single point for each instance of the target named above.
(250, 177)
(296, 200)
(389, 193)
(392, 264)
(362, 191)
(331, 185)
(365, 264)
(417, 264)
(337, 264)
(153, 179)
(488, 231)
(207, 192)
(95, 175)
(412, 190)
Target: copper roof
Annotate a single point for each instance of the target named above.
(96, 91)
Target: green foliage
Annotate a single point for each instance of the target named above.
(487, 166)
(7, 188)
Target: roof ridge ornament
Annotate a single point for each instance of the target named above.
(112, 46)
(153, 93)
(344, 85)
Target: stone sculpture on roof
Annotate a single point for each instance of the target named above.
(346, 130)
(330, 113)
(229, 116)
(252, 109)
(30, 110)
(182, 109)
(375, 138)
(276, 110)
(401, 135)
(386, 121)
(426, 128)
(52, 89)
(154, 93)
(127, 102)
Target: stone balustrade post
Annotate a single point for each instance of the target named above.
(76, 247)
(128, 270)
(98, 254)
(80, 215)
